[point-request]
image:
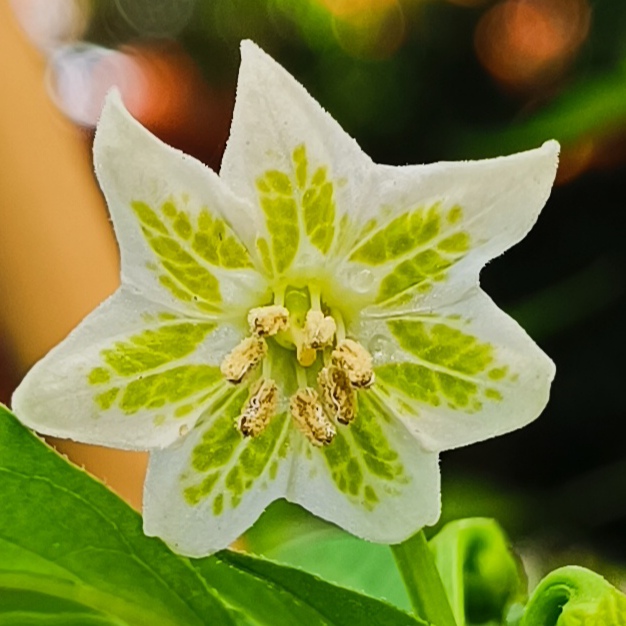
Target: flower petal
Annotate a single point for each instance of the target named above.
(132, 375)
(175, 221)
(439, 224)
(287, 155)
(374, 479)
(208, 488)
(463, 374)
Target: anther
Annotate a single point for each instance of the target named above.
(267, 321)
(244, 357)
(356, 361)
(319, 330)
(259, 409)
(337, 395)
(309, 416)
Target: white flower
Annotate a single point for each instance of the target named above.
(307, 325)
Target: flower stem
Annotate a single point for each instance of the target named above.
(422, 581)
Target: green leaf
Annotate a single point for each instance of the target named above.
(592, 107)
(72, 553)
(575, 596)
(290, 535)
(481, 576)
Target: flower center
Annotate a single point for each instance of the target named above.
(300, 321)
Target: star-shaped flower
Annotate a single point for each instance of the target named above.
(307, 325)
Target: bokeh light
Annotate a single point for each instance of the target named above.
(526, 44)
(51, 23)
(370, 29)
(79, 76)
(160, 84)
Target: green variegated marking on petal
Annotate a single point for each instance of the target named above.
(106, 399)
(443, 345)
(455, 367)
(402, 235)
(361, 460)
(185, 276)
(418, 273)
(169, 387)
(414, 275)
(318, 204)
(231, 464)
(423, 244)
(137, 358)
(150, 349)
(266, 256)
(99, 376)
(429, 386)
(302, 199)
(301, 164)
(216, 243)
(276, 196)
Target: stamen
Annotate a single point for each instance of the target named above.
(309, 416)
(341, 327)
(267, 321)
(259, 409)
(338, 396)
(356, 361)
(319, 330)
(245, 356)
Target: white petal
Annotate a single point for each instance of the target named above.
(207, 489)
(280, 143)
(181, 232)
(374, 480)
(131, 376)
(460, 375)
(439, 224)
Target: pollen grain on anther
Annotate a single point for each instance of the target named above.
(356, 361)
(244, 357)
(319, 330)
(337, 394)
(310, 418)
(259, 409)
(267, 321)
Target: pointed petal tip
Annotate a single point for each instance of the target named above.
(254, 59)
(112, 101)
(552, 145)
(249, 48)
(551, 149)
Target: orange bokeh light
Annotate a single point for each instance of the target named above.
(527, 43)
(349, 8)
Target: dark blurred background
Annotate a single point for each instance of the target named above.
(417, 81)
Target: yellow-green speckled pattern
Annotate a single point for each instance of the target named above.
(224, 465)
(419, 246)
(295, 203)
(141, 372)
(361, 460)
(185, 248)
(453, 368)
